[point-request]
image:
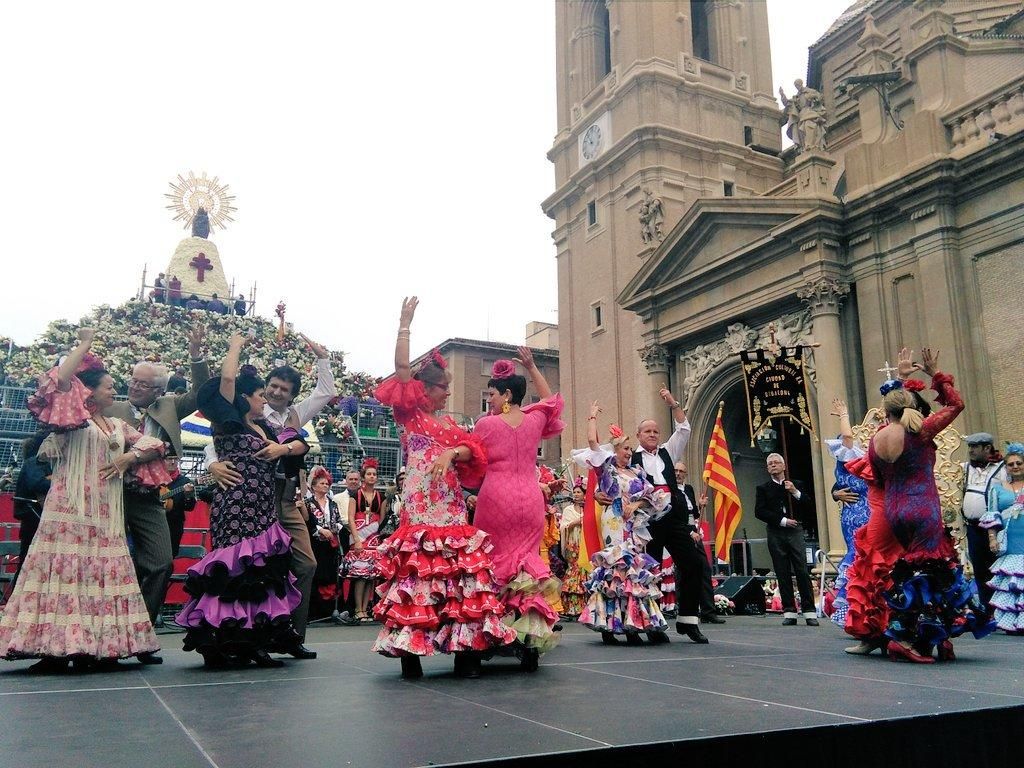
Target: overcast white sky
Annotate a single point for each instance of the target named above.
(376, 149)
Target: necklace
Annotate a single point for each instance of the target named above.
(111, 437)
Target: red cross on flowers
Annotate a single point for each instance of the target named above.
(202, 264)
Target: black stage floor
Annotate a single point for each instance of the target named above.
(779, 685)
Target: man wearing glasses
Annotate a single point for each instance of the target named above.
(157, 414)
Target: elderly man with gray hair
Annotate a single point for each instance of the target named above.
(153, 412)
(785, 507)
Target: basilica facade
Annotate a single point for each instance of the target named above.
(684, 231)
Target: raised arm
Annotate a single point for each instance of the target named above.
(325, 388)
(845, 428)
(676, 443)
(403, 371)
(74, 359)
(229, 368)
(947, 396)
(185, 403)
(539, 382)
(592, 439)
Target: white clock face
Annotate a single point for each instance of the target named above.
(592, 142)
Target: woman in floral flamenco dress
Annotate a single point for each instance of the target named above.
(242, 593)
(624, 587)
(362, 563)
(905, 558)
(1005, 523)
(438, 590)
(573, 590)
(510, 505)
(78, 599)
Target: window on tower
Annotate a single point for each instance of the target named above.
(597, 316)
(699, 29)
(596, 39)
(591, 213)
(728, 188)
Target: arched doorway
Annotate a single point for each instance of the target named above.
(725, 384)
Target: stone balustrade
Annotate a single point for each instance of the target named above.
(999, 112)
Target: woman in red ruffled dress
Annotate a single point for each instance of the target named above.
(906, 588)
(362, 563)
(78, 597)
(438, 591)
(510, 505)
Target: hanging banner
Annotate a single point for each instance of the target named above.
(776, 388)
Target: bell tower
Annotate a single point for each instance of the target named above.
(658, 104)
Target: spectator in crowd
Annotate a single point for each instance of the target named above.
(325, 526)
(216, 305)
(177, 383)
(174, 292)
(194, 302)
(393, 506)
(160, 289)
(983, 470)
(352, 483)
(240, 305)
(785, 506)
(178, 497)
(29, 493)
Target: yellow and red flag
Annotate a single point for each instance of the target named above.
(718, 476)
(590, 536)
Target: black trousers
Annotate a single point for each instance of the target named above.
(707, 591)
(668, 533)
(981, 560)
(789, 558)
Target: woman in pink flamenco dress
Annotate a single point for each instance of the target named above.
(438, 590)
(78, 598)
(510, 505)
(906, 588)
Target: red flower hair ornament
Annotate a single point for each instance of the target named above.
(615, 431)
(914, 385)
(436, 358)
(503, 369)
(90, 362)
(370, 463)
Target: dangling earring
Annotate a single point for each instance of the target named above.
(505, 407)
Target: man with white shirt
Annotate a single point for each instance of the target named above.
(984, 468)
(283, 384)
(673, 531)
(352, 483)
(784, 506)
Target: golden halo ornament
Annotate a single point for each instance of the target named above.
(189, 194)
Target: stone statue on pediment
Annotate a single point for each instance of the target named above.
(805, 117)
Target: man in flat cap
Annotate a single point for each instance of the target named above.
(983, 468)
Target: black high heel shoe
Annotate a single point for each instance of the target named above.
(609, 639)
(633, 638)
(264, 659)
(50, 665)
(530, 661)
(467, 665)
(411, 668)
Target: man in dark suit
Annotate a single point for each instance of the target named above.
(695, 508)
(785, 506)
(673, 531)
(159, 415)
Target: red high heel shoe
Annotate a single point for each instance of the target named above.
(899, 652)
(946, 651)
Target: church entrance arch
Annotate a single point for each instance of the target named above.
(725, 384)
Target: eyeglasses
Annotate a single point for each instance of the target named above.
(141, 384)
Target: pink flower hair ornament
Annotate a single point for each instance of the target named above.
(503, 369)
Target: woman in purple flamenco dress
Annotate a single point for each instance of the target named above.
(242, 593)
(510, 505)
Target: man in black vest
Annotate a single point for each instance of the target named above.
(673, 531)
(694, 509)
(785, 506)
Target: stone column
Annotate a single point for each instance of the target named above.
(650, 405)
(824, 295)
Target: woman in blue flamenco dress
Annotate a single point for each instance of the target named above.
(1005, 523)
(624, 587)
(242, 593)
(852, 492)
(906, 587)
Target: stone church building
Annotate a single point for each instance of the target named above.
(683, 228)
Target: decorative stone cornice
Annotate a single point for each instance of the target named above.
(655, 357)
(922, 213)
(823, 295)
(790, 330)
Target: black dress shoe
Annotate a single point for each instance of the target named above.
(608, 638)
(530, 661)
(149, 657)
(812, 623)
(657, 638)
(264, 659)
(711, 618)
(692, 631)
(789, 622)
(633, 638)
(301, 652)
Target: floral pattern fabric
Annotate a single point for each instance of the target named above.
(78, 594)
